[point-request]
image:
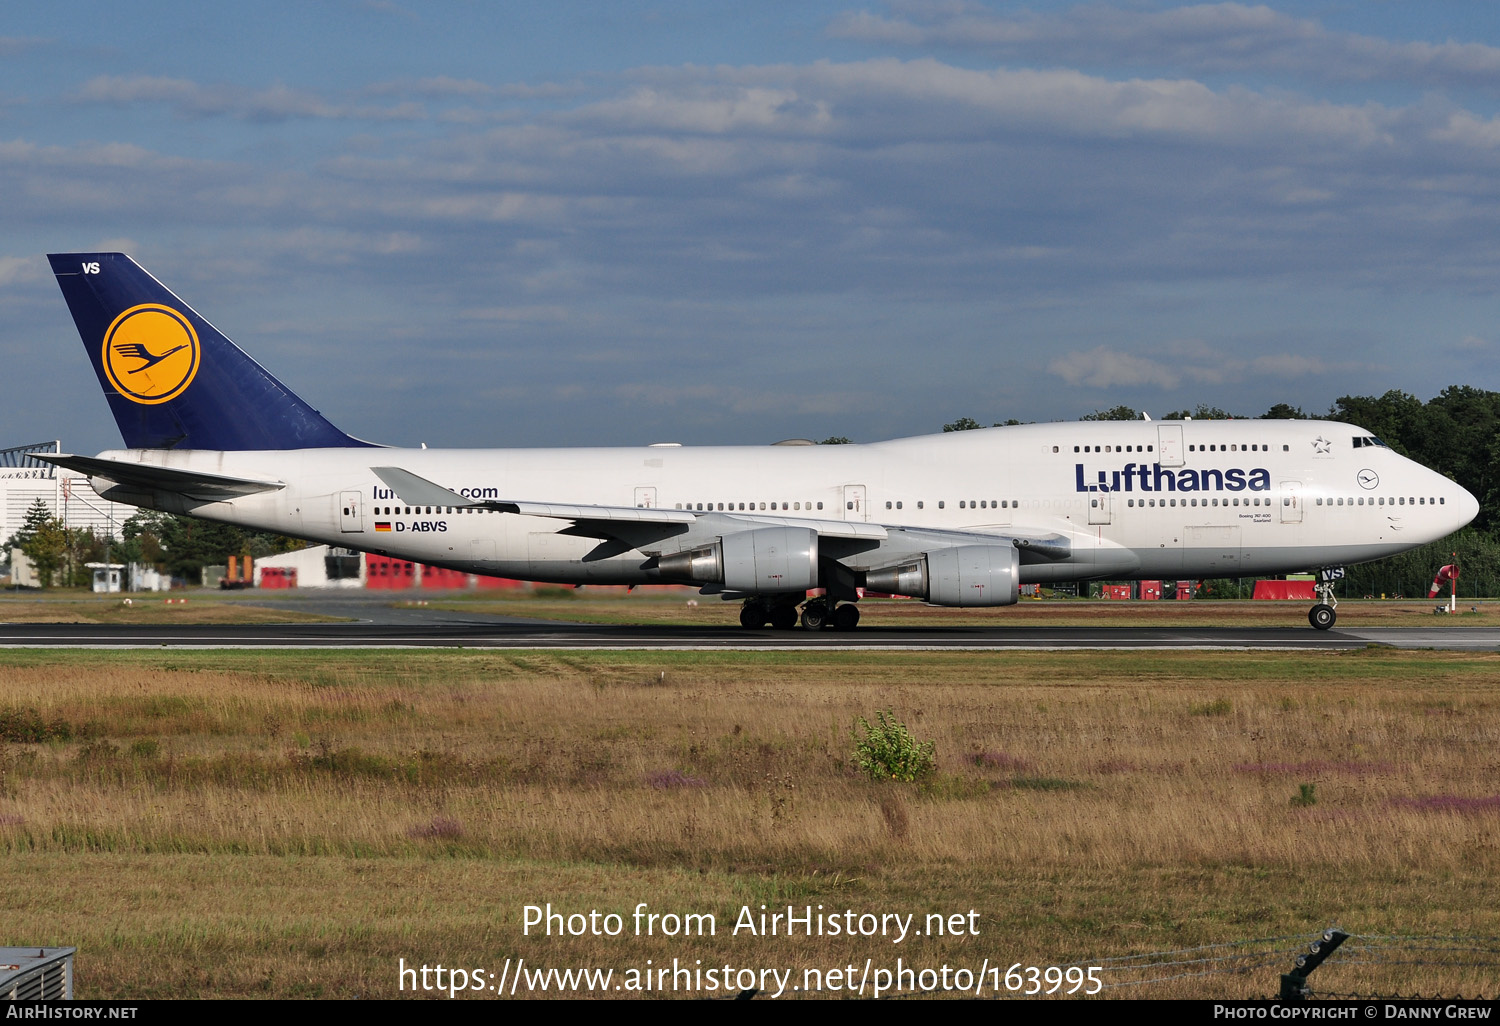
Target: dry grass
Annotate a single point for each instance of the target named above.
(145, 608)
(292, 823)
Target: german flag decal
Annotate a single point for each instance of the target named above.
(382, 525)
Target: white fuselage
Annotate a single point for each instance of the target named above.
(1134, 499)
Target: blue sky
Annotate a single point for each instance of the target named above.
(472, 223)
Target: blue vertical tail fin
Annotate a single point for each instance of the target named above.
(172, 379)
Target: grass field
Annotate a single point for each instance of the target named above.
(78, 606)
(291, 824)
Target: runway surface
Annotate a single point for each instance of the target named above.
(462, 631)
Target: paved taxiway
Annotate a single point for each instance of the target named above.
(464, 632)
(377, 622)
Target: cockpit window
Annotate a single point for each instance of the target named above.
(1360, 441)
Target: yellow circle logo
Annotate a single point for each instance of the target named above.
(151, 353)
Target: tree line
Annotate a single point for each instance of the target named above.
(175, 545)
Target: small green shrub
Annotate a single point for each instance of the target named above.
(1305, 796)
(26, 726)
(1218, 707)
(887, 750)
(1048, 784)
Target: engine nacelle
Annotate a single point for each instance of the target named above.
(965, 575)
(766, 561)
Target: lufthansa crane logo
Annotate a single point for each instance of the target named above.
(151, 353)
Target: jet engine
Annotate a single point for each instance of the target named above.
(965, 575)
(766, 561)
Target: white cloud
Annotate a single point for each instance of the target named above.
(1290, 366)
(17, 270)
(272, 104)
(706, 108)
(1191, 361)
(11, 46)
(1199, 37)
(517, 314)
(1103, 367)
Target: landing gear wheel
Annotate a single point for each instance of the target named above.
(753, 615)
(846, 617)
(815, 616)
(784, 618)
(1322, 615)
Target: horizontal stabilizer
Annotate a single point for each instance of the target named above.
(148, 477)
(418, 491)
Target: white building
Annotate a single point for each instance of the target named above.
(317, 566)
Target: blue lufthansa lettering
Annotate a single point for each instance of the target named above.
(1156, 478)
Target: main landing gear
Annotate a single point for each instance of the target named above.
(1323, 615)
(817, 614)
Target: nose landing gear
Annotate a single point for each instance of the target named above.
(1323, 615)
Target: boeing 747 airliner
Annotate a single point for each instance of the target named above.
(960, 519)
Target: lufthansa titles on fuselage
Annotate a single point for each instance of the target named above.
(1140, 477)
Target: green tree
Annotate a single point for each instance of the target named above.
(963, 424)
(181, 546)
(1113, 413)
(1281, 411)
(36, 515)
(1202, 412)
(46, 548)
(82, 547)
(837, 440)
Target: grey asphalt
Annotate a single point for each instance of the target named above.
(380, 619)
(438, 629)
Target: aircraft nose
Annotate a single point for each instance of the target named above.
(1464, 506)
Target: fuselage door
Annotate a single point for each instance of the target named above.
(1099, 507)
(351, 519)
(1291, 502)
(1169, 445)
(854, 503)
(645, 498)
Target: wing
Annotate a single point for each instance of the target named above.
(623, 528)
(194, 484)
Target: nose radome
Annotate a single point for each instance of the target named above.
(1466, 507)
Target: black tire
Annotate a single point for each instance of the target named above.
(846, 617)
(1322, 616)
(815, 616)
(753, 617)
(784, 618)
